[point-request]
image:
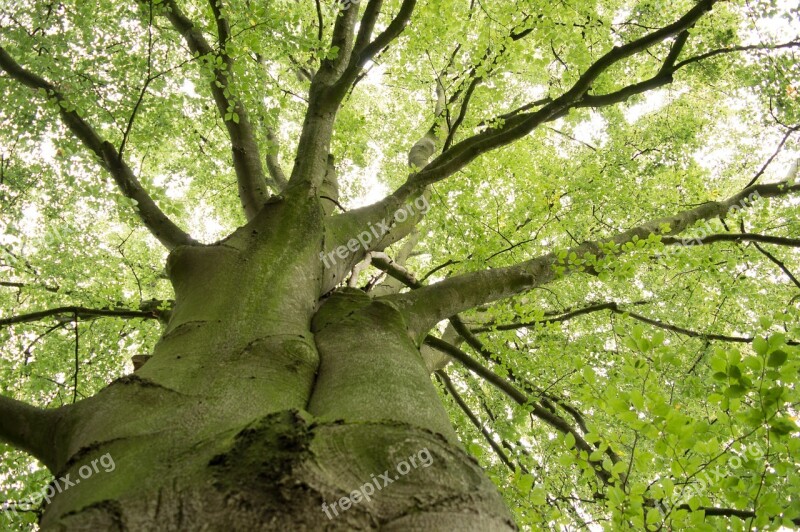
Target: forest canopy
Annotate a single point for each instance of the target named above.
(650, 148)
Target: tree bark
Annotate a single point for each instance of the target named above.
(264, 405)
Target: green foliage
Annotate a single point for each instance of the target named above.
(696, 421)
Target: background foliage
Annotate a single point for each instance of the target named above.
(671, 400)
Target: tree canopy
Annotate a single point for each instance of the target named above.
(609, 257)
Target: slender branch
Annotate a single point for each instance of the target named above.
(733, 49)
(664, 77)
(487, 355)
(78, 312)
(570, 137)
(394, 285)
(475, 80)
(77, 361)
(320, 21)
(778, 263)
(519, 110)
(554, 420)
(711, 511)
(395, 270)
(462, 112)
(169, 234)
(690, 333)
(448, 384)
(146, 83)
(774, 154)
(614, 308)
(736, 237)
(555, 317)
(401, 274)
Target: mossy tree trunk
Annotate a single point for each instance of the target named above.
(265, 399)
(276, 398)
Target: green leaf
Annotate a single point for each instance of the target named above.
(525, 483)
(760, 345)
(776, 340)
(538, 496)
(619, 468)
(653, 516)
(782, 426)
(475, 449)
(736, 390)
(777, 358)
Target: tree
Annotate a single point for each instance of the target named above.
(587, 265)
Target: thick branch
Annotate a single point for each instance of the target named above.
(169, 234)
(332, 68)
(30, 429)
(523, 123)
(253, 191)
(401, 274)
(367, 24)
(331, 83)
(518, 123)
(364, 52)
(273, 165)
(430, 304)
(664, 76)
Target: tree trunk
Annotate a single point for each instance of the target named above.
(264, 405)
